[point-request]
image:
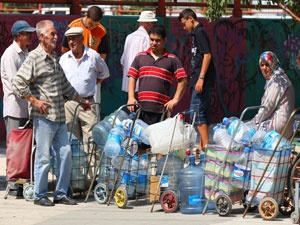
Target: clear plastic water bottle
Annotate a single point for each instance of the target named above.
(258, 139)
(138, 131)
(117, 161)
(113, 146)
(240, 176)
(191, 188)
(130, 145)
(79, 166)
(243, 131)
(271, 139)
(142, 174)
(222, 138)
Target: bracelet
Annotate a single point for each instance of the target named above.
(201, 76)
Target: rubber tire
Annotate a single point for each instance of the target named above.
(223, 205)
(268, 208)
(294, 218)
(28, 192)
(101, 193)
(293, 172)
(169, 201)
(121, 197)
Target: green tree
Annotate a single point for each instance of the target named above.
(215, 9)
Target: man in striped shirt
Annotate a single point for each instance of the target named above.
(41, 81)
(155, 69)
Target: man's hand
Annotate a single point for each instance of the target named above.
(199, 85)
(41, 105)
(169, 106)
(85, 104)
(132, 102)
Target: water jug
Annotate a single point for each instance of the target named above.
(100, 132)
(142, 181)
(271, 139)
(172, 169)
(222, 138)
(79, 166)
(191, 188)
(113, 146)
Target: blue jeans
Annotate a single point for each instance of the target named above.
(49, 133)
(201, 104)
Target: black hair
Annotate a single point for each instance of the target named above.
(95, 13)
(186, 13)
(158, 29)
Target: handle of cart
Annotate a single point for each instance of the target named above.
(228, 149)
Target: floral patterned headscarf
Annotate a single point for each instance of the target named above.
(271, 59)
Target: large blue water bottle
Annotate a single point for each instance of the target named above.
(191, 188)
(113, 146)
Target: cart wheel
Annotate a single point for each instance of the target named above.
(121, 197)
(169, 201)
(223, 205)
(286, 209)
(28, 192)
(268, 208)
(100, 193)
(251, 208)
(293, 176)
(295, 218)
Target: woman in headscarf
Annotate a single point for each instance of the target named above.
(278, 98)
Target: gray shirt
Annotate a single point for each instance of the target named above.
(41, 76)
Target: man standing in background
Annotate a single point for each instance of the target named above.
(15, 110)
(202, 76)
(95, 37)
(137, 41)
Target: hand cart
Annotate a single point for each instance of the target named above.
(174, 146)
(218, 170)
(270, 181)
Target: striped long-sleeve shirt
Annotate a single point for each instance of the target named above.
(41, 75)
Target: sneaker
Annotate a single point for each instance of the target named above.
(65, 200)
(43, 202)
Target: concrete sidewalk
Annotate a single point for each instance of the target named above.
(19, 211)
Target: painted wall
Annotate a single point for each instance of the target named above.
(236, 44)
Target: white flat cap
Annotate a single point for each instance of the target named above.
(74, 31)
(147, 16)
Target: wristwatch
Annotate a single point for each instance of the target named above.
(201, 76)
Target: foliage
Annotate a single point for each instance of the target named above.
(217, 9)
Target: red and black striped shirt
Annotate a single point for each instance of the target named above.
(155, 77)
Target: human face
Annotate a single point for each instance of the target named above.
(157, 43)
(49, 38)
(298, 61)
(91, 24)
(188, 24)
(25, 38)
(265, 69)
(75, 43)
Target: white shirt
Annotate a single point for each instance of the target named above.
(135, 42)
(11, 61)
(83, 74)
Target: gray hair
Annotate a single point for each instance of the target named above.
(41, 27)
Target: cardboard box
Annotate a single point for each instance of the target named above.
(154, 187)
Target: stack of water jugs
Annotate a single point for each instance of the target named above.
(119, 144)
(246, 141)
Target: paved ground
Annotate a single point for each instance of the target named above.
(18, 211)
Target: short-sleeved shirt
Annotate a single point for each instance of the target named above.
(201, 46)
(95, 39)
(11, 61)
(155, 78)
(83, 75)
(42, 76)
